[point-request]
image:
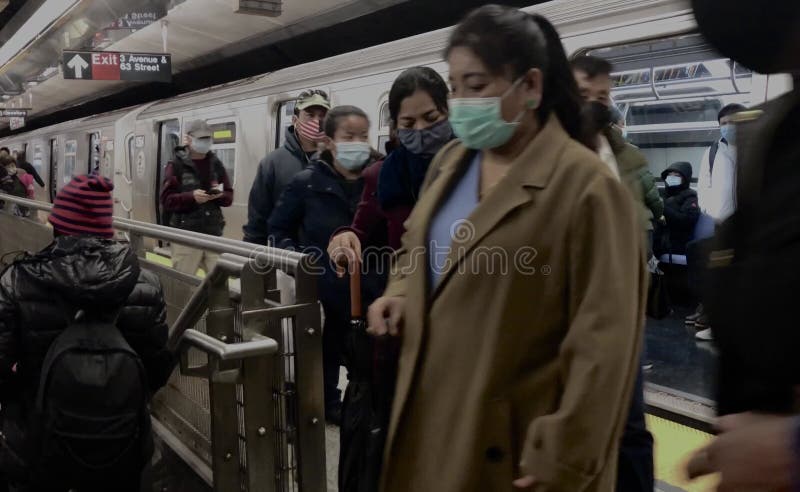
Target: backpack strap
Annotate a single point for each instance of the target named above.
(712, 155)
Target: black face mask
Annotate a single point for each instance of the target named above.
(755, 33)
(599, 114)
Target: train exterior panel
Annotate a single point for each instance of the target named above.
(132, 146)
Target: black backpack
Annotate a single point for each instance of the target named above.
(92, 420)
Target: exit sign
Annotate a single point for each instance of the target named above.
(112, 65)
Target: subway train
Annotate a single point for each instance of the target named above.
(668, 82)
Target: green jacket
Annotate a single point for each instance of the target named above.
(636, 176)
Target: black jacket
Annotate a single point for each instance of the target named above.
(314, 204)
(83, 272)
(317, 202)
(755, 271)
(275, 171)
(681, 211)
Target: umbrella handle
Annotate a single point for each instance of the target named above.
(355, 289)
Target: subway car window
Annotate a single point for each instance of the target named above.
(384, 124)
(94, 152)
(224, 145)
(129, 155)
(169, 138)
(283, 120)
(670, 92)
(38, 156)
(70, 157)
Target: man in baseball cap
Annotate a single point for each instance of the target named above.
(279, 167)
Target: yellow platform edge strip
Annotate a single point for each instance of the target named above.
(674, 444)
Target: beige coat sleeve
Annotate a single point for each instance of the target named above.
(607, 286)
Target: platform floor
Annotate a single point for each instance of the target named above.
(679, 361)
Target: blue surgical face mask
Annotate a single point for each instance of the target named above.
(427, 141)
(201, 145)
(728, 132)
(673, 181)
(352, 155)
(479, 122)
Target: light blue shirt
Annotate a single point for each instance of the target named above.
(449, 223)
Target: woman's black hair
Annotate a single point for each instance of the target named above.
(511, 42)
(412, 80)
(331, 123)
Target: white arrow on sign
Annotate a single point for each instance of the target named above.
(77, 64)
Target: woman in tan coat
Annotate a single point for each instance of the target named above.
(519, 290)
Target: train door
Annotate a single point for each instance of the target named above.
(53, 169)
(169, 137)
(70, 162)
(37, 160)
(124, 194)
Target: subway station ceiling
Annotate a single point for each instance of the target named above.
(195, 32)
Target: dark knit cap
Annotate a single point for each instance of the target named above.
(84, 207)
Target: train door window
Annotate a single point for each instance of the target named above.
(169, 137)
(94, 153)
(670, 91)
(70, 158)
(130, 152)
(224, 146)
(38, 157)
(384, 126)
(53, 168)
(283, 121)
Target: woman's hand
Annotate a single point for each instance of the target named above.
(386, 316)
(344, 249)
(525, 482)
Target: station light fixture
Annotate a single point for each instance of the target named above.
(269, 8)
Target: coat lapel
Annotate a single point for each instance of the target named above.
(529, 172)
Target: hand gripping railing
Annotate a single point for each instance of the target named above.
(253, 419)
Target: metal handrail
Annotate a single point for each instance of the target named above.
(260, 346)
(289, 261)
(198, 303)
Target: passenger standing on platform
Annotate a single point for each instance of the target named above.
(593, 75)
(277, 169)
(22, 163)
(16, 182)
(83, 272)
(319, 200)
(418, 110)
(196, 186)
(753, 272)
(520, 375)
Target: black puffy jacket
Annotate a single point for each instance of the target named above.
(681, 211)
(98, 275)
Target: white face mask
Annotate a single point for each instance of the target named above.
(201, 145)
(352, 155)
(673, 181)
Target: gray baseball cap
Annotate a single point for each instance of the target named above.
(198, 129)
